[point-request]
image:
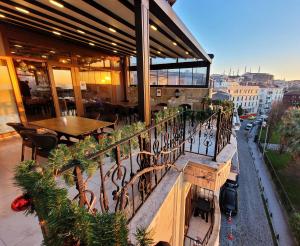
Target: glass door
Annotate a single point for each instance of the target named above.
(8, 107)
(62, 77)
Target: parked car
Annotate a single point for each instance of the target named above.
(257, 122)
(229, 200)
(251, 117)
(248, 126)
(233, 183)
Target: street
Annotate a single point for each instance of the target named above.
(250, 226)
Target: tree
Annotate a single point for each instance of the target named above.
(290, 131)
(206, 101)
(240, 110)
(295, 224)
(275, 115)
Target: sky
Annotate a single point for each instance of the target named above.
(252, 33)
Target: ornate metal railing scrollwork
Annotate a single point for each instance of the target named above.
(136, 165)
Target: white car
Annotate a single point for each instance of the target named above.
(248, 126)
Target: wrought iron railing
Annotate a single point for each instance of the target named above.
(135, 167)
(209, 136)
(130, 169)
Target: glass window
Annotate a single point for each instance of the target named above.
(153, 77)
(173, 77)
(163, 60)
(162, 77)
(65, 93)
(199, 76)
(133, 78)
(35, 89)
(186, 76)
(115, 63)
(8, 108)
(107, 63)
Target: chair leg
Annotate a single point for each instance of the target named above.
(33, 153)
(22, 152)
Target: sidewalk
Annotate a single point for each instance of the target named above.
(276, 211)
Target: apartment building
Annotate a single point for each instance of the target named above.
(245, 96)
(267, 97)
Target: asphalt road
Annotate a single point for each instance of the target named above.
(250, 226)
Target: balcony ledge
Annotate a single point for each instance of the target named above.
(150, 210)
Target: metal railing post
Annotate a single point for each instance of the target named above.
(184, 129)
(217, 134)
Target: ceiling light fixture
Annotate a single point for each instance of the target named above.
(52, 51)
(154, 27)
(17, 45)
(82, 32)
(22, 10)
(92, 44)
(12, 52)
(56, 3)
(2, 16)
(56, 33)
(112, 30)
(114, 44)
(43, 56)
(115, 51)
(187, 52)
(158, 52)
(174, 43)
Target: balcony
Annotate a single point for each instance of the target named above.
(200, 223)
(132, 168)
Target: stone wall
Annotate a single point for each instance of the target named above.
(168, 92)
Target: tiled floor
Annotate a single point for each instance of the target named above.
(15, 228)
(197, 228)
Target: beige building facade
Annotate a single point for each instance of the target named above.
(245, 96)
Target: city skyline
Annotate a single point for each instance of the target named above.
(248, 34)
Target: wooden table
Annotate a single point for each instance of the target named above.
(72, 126)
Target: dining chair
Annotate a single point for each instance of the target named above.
(43, 143)
(114, 118)
(93, 115)
(26, 142)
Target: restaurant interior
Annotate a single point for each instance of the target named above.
(45, 77)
